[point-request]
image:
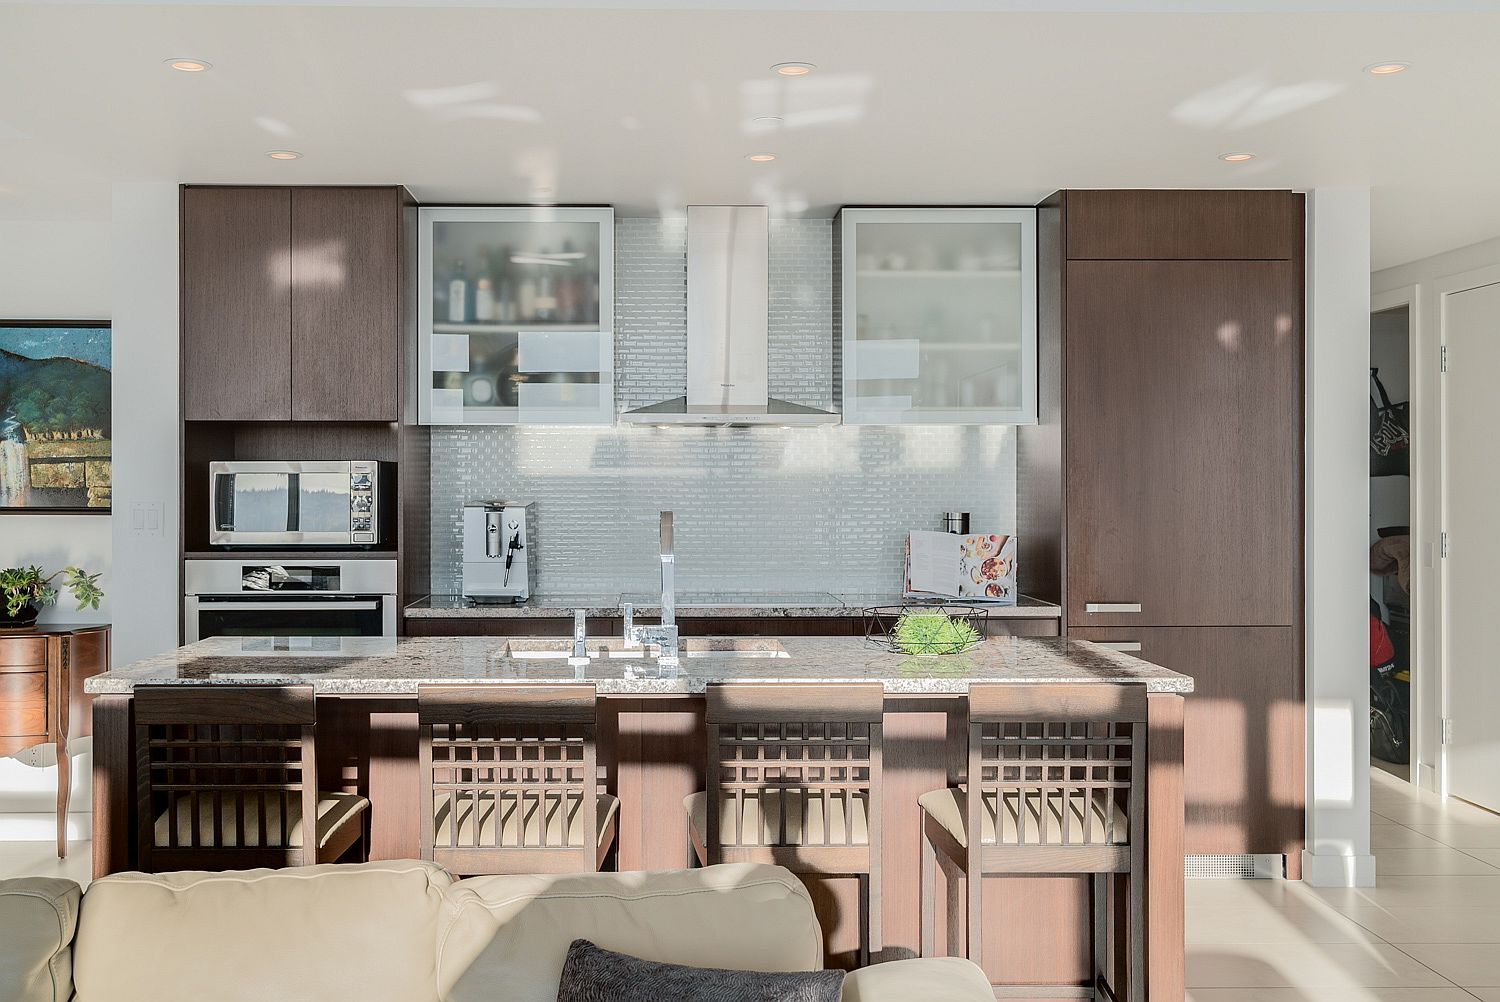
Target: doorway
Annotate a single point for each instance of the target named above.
(1470, 324)
(1390, 540)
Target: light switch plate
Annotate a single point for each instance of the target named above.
(146, 519)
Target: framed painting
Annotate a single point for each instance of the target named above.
(54, 417)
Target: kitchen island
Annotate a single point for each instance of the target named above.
(652, 748)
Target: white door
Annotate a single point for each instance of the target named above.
(1471, 502)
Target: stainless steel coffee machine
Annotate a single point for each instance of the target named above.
(499, 551)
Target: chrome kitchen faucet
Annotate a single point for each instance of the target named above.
(664, 635)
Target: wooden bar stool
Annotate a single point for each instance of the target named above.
(794, 779)
(228, 774)
(510, 779)
(1059, 773)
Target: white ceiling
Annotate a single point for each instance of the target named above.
(651, 109)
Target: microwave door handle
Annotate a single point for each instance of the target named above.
(286, 606)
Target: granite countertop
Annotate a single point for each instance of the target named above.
(396, 666)
(790, 605)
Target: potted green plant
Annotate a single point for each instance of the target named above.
(25, 590)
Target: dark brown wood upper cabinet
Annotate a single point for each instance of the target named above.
(291, 304)
(1136, 224)
(346, 304)
(236, 304)
(1182, 442)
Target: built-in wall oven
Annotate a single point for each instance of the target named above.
(265, 598)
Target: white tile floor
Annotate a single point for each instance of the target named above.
(1430, 932)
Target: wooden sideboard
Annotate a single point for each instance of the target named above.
(42, 669)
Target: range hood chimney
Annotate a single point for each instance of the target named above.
(728, 280)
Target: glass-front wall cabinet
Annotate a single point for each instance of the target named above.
(516, 315)
(939, 316)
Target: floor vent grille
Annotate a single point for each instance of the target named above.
(1252, 867)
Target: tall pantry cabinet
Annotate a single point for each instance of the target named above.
(1163, 485)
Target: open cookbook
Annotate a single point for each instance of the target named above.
(979, 567)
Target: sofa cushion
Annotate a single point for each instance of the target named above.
(937, 979)
(360, 931)
(37, 918)
(514, 931)
(591, 974)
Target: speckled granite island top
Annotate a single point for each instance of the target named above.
(715, 605)
(385, 667)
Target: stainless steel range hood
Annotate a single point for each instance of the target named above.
(728, 280)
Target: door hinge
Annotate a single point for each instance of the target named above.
(1443, 545)
(1442, 358)
(1447, 730)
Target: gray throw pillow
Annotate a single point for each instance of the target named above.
(595, 975)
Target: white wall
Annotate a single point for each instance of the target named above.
(57, 271)
(1418, 282)
(1338, 686)
(146, 467)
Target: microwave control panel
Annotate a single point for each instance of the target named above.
(362, 502)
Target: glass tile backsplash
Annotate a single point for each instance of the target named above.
(759, 510)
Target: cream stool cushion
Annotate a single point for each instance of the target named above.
(336, 931)
(37, 918)
(507, 936)
(949, 808)
(762, 822)
(520, 824)
(334, 811)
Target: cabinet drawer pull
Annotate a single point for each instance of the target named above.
(1111, 607)
(1123, 646)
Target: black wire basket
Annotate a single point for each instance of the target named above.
(922, 639)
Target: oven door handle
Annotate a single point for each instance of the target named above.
(226, 604)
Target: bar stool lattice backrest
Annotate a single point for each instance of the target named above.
(227, 776)
(510, 779)
(794, 777)
(1056, 785)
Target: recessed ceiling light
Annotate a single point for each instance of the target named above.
(794, 69)
(1387, 69)
(1236, 158)
(284, 155)
(185, 65)
(761, 158)
(767, 121)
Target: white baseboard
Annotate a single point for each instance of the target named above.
(1337, 869)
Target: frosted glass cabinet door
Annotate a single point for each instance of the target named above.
(939, 316)
(516, 315)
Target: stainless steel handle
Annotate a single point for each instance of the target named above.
(1111, 607)
(209, 603)
(666, 534)
(1123, 646)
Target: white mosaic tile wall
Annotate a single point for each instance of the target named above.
(757, 509)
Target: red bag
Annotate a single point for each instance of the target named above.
(1382, 651)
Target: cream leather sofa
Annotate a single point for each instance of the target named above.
(407, 932)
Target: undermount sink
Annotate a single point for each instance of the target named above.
(561, 648)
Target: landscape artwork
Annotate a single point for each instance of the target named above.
(54, 417)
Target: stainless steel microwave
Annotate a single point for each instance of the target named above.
(314, 503)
